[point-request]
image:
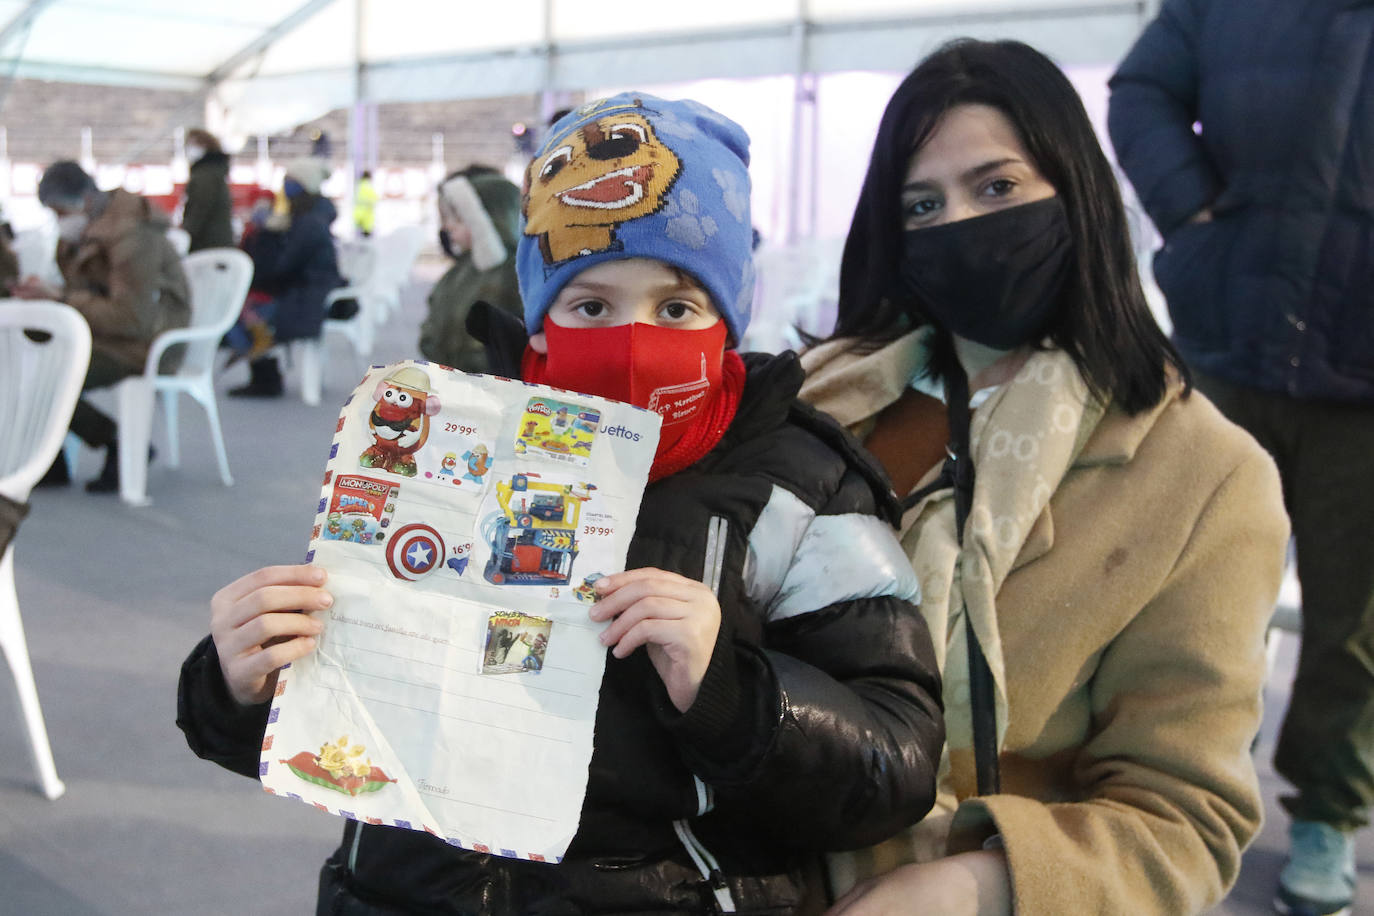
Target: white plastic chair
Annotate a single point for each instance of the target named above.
(359, 265)
(396, 254)
(219, 279)
(1287, 614)
(360, 329)
(797, 286)
(180, 239)
(39, 386)
(36, 249)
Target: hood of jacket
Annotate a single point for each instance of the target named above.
(490, 206)
(122, 213)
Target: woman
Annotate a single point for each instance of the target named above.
(294, 262)
(207, 216)
(1123, 544)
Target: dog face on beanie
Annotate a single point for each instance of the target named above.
(602, 173)
(635, 176)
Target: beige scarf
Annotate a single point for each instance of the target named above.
(1024, 438)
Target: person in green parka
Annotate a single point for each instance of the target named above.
(208, 214)
(479, 217)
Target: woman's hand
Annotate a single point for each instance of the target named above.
(969, 884)
(261, 622)
(674, 617)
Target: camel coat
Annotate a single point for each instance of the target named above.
(1132, 625)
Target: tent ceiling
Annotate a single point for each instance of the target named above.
(289, 63)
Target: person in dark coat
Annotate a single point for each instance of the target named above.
(786, 701)
(208, 213)
(1267, 214)
(295, 262)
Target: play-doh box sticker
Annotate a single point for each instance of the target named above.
(559, 430)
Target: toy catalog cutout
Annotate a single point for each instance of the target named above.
(463, 520)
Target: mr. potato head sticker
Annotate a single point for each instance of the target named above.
(399, 421)
(604, 173)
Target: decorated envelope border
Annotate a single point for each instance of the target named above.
(284, 677)
(267, 741)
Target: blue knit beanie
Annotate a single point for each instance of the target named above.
(635, 176)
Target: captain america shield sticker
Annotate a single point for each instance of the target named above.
(415, 551)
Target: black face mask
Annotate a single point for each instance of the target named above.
(446, 243)
(996, 279)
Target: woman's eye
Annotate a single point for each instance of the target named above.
(919, 209)
(1000, 187)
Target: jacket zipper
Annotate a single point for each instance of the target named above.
(705, 862)
(353, 850)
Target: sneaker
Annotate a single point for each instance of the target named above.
(1319, 877)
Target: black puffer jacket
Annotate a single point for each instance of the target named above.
(816, 727)
(1277, 291)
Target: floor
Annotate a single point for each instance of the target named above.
(114, 597)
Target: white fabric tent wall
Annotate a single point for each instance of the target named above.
(260, 69)
(585, 43)
(270, 68)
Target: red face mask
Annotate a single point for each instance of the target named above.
(673, 372)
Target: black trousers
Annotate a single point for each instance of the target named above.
(1326, 746)
(91, 424)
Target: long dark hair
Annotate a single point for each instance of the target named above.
(1104, 324)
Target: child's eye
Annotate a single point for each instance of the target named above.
(677, 311)
(591, 308)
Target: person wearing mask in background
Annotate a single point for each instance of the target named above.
(365, 205)
(123, 275)
(208, 214)
(1101, 552)
(479, 216)
(1268, 269)
(294, 262)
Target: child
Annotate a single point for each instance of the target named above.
(479, 216)
(786, 698)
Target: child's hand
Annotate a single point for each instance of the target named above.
(257, 625)
(674, 617)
